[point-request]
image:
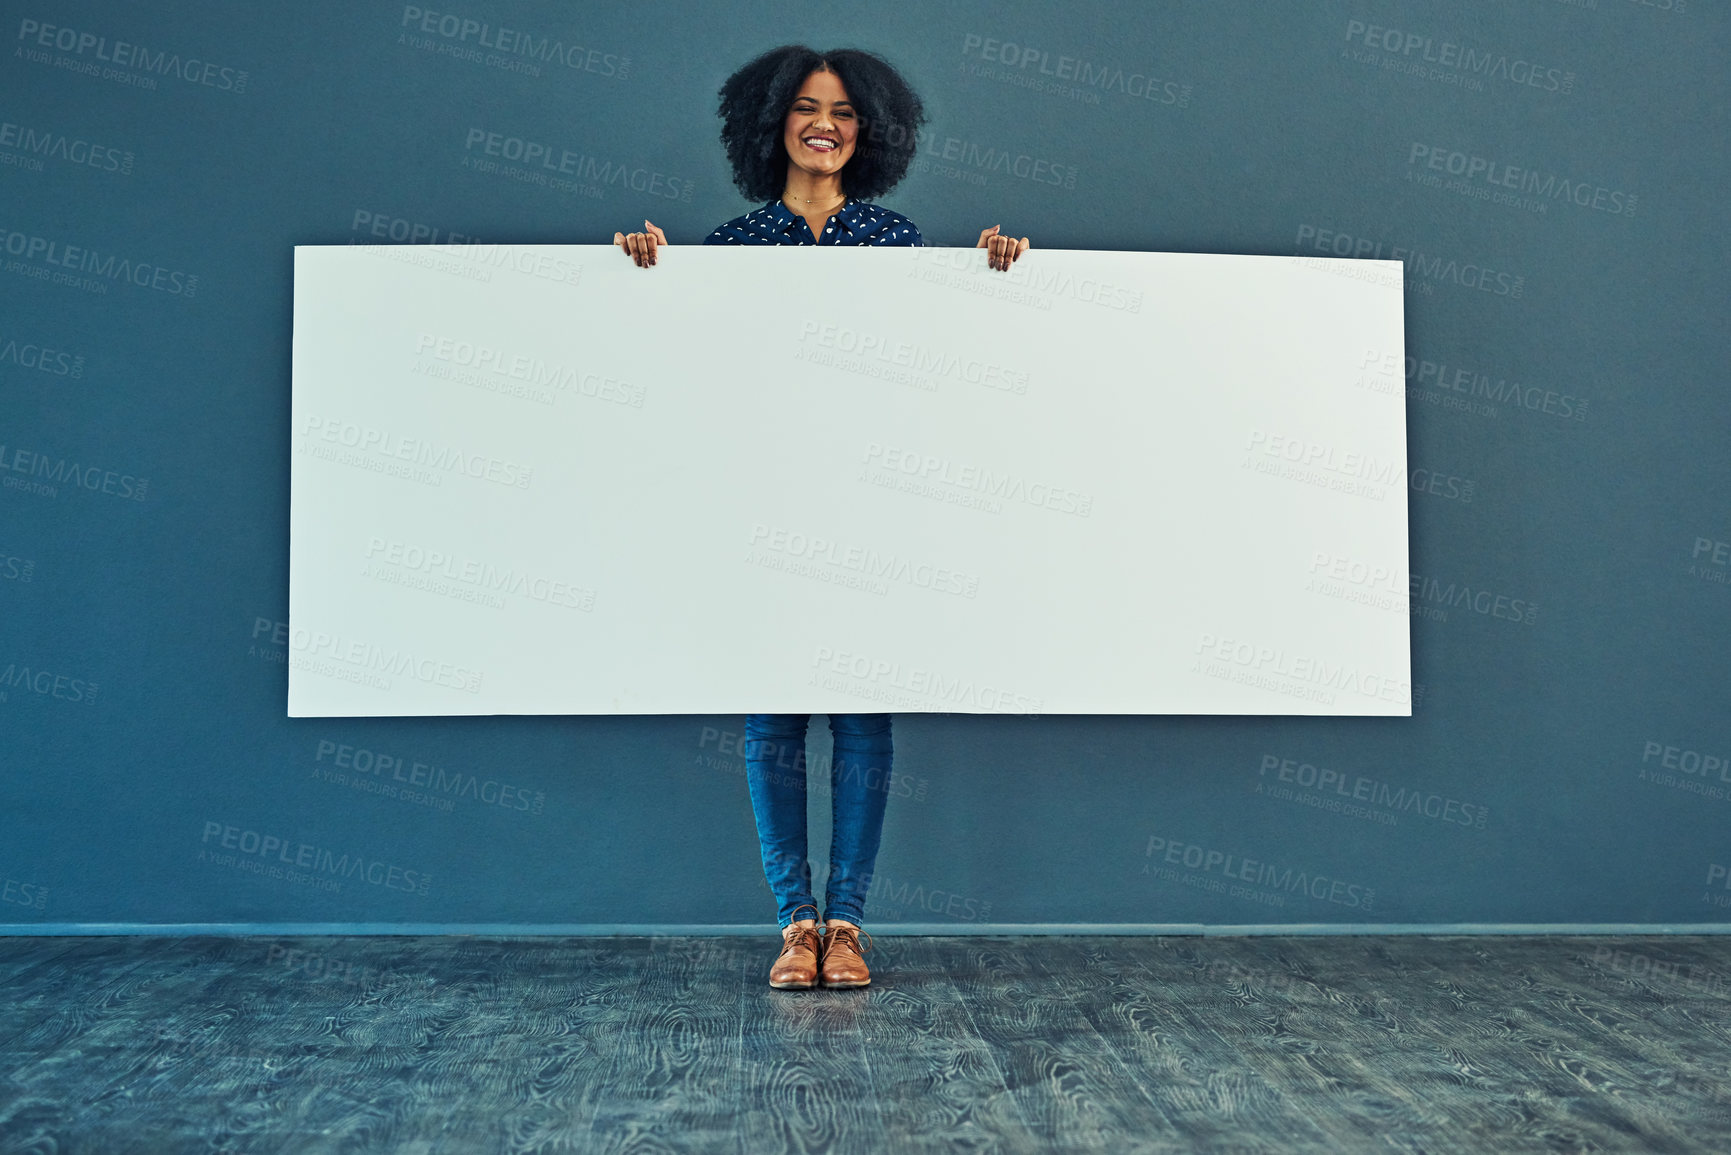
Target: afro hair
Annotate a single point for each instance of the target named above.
(755, 101)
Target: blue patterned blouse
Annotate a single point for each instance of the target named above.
(856, 223)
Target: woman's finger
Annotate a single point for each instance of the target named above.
(1002, 251)
(985, 234)
(660, 237)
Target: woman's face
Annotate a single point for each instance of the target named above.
(821, 127)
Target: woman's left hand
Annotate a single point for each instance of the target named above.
(1000, 250)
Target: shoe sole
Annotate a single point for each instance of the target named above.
(793, 986)
(846, 986)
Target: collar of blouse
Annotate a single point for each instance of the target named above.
(786, 219)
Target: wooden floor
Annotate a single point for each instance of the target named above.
(461, 1044)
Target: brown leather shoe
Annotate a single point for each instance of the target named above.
(843, 963)
(795, 968)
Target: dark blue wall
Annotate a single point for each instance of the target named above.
(1553, 174)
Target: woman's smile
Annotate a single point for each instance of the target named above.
(820, 128)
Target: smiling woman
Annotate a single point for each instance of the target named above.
(792, 122)
(811, 133)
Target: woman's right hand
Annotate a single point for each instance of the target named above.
(641, 246)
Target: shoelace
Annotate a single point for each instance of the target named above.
(842, 933)
(802, 936)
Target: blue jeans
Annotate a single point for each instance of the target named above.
(859, 788)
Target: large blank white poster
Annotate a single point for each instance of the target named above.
(538, 479)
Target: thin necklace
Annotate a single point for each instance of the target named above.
(808, 200)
